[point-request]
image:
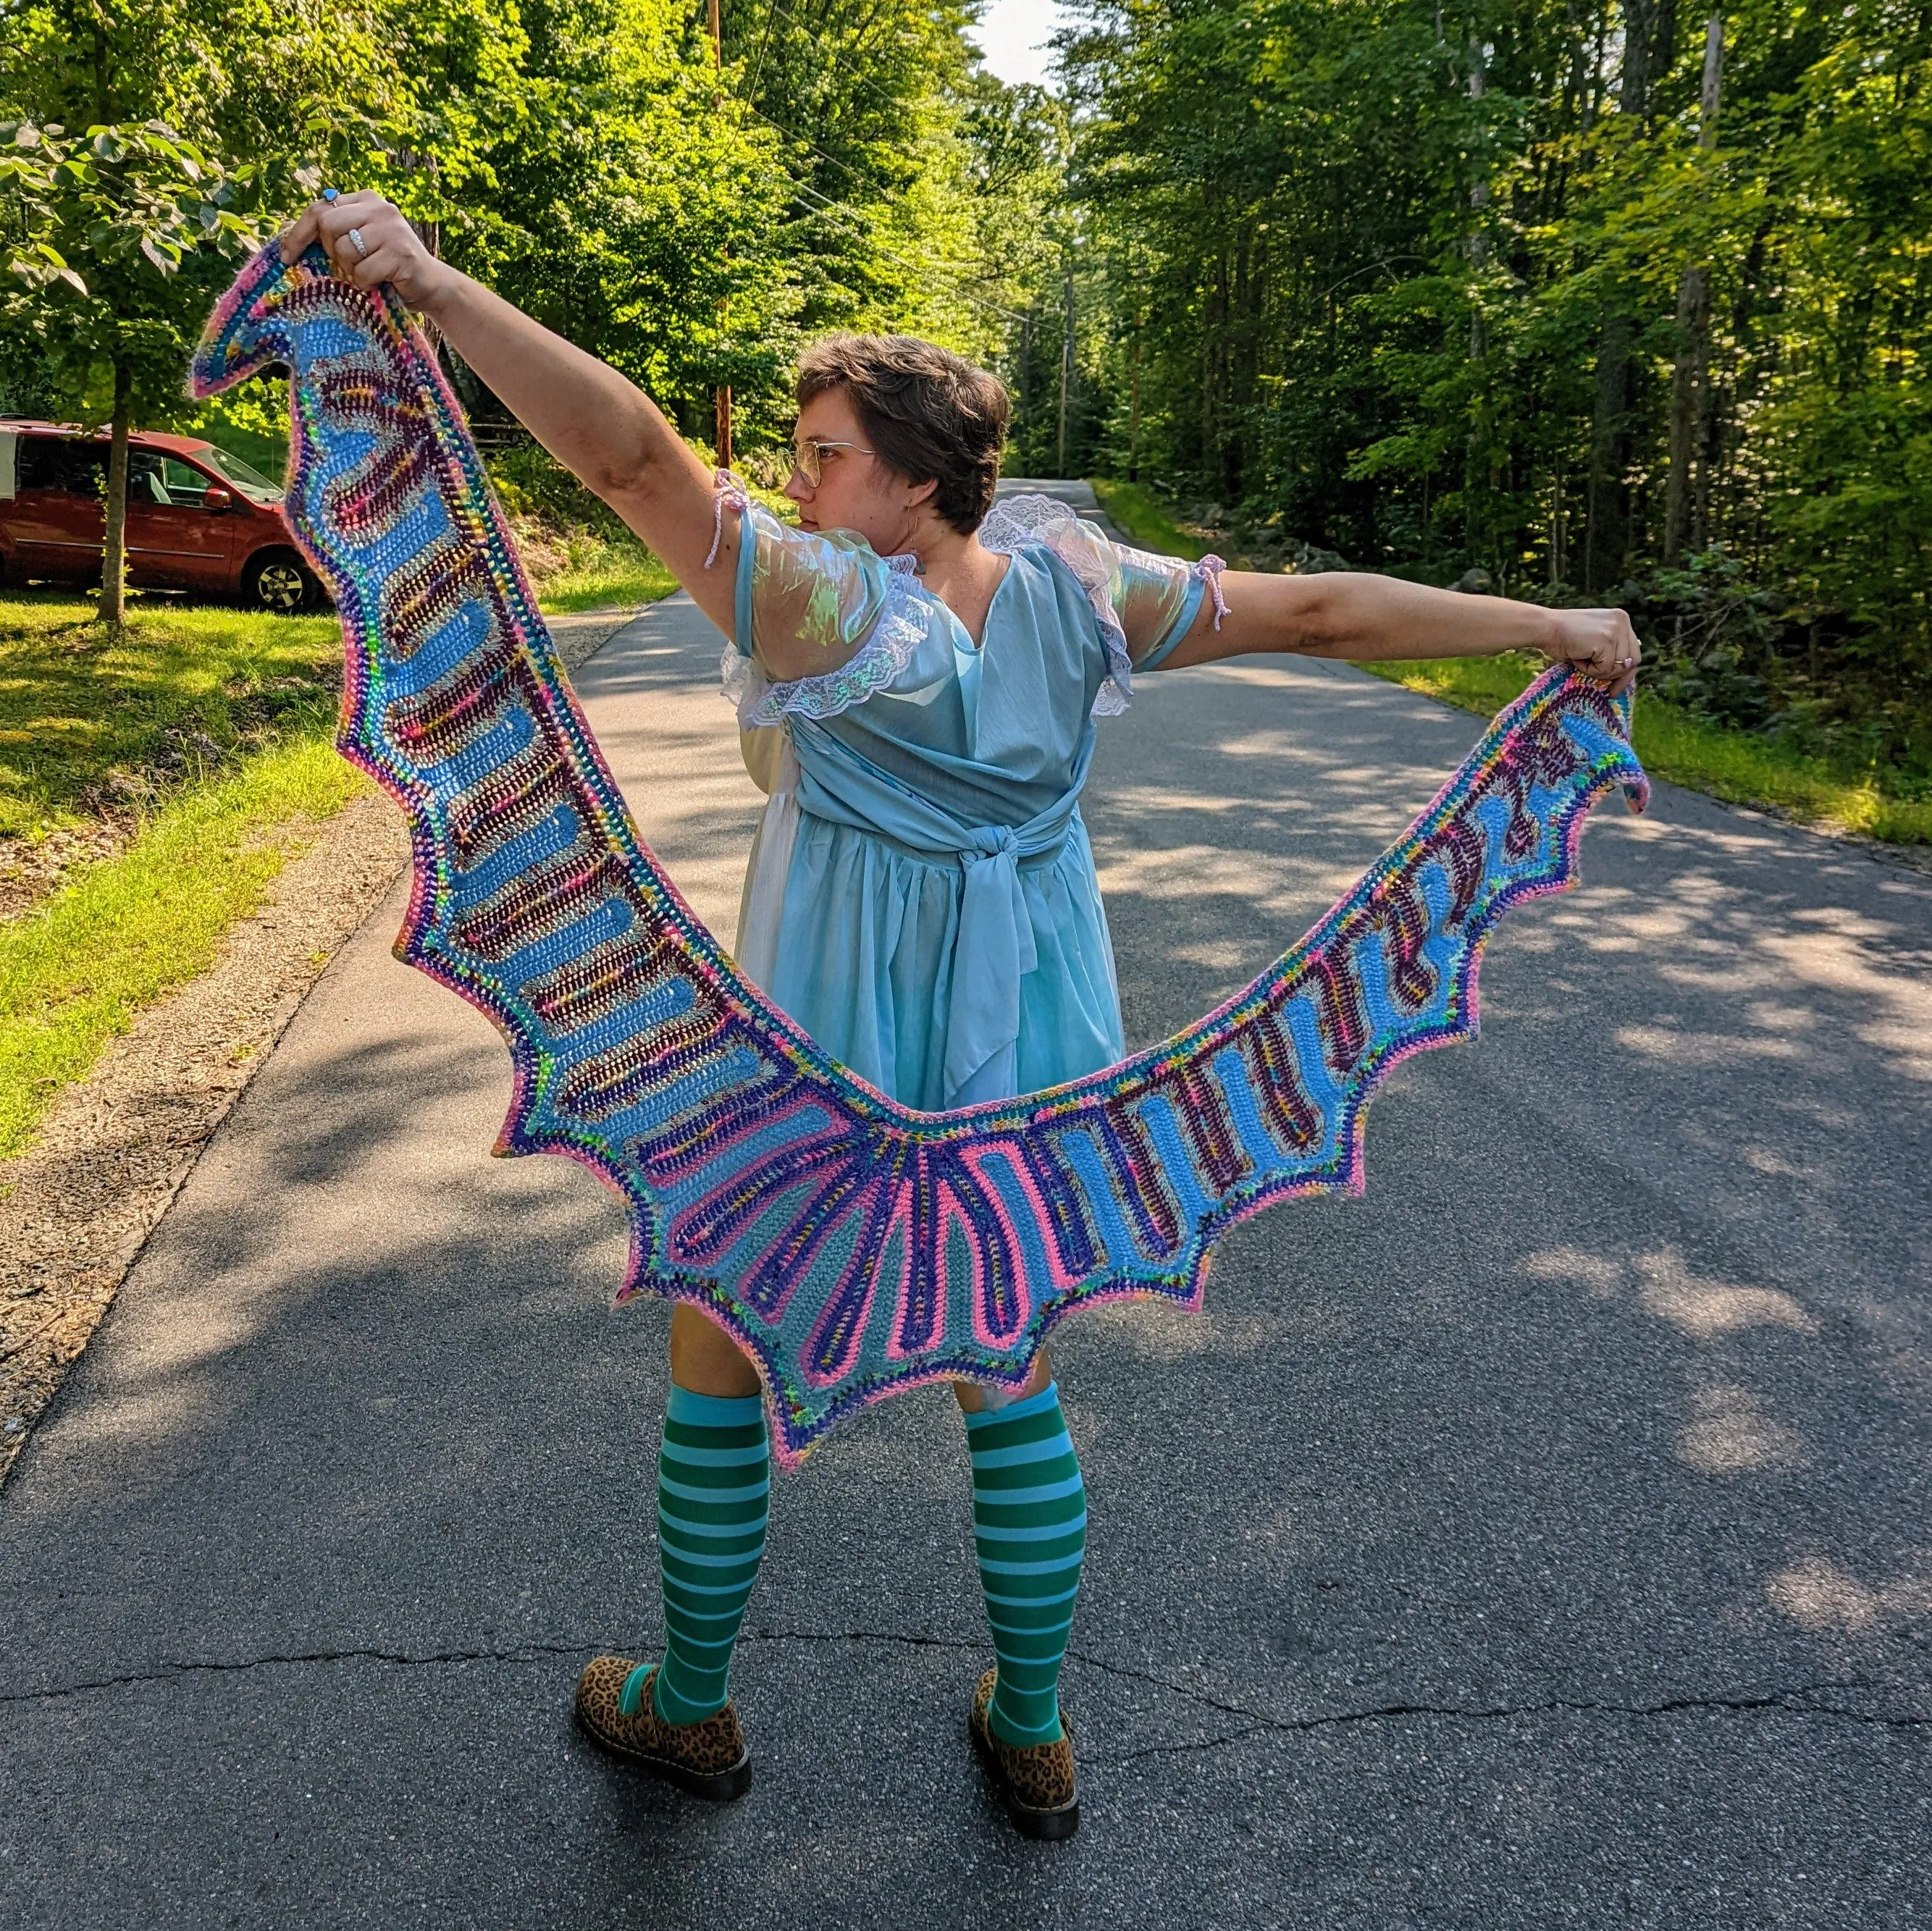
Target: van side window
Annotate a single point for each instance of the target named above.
(56, 463)
(186, 484)
(145, 484)
(42, 462)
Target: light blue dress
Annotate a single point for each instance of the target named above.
(940, 927)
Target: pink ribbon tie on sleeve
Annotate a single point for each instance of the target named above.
(1209, 571)
(728, 492)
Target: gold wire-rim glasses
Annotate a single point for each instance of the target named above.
(808, 455)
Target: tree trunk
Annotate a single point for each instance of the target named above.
(1475, 464)
(1134, 418)
(1687, 391)
(114, 545)
(1689, 378)
(1649, 28)
(1606, 528)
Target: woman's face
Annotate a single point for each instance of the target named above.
(855, 490)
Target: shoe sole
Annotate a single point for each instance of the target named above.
(1051, 1827)
(721, 1786)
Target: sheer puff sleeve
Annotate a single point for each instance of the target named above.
(1144, 603)
(829, 590)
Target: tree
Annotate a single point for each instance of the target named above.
(1562, 326)
(122, 239)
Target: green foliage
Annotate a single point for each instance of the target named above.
(1423, 284)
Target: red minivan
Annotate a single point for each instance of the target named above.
(198, 518)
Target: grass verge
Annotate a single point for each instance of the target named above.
(607, 576)
(1147, 520)
(91, 721)
(1673, 743)
(76, 970)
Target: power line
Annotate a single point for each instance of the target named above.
(758, 65)
(872, 87)
(865, 220)
(829, 204)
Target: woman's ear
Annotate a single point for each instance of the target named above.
(919, 494)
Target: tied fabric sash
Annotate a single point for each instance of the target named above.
(851, 1246)
(994, 945)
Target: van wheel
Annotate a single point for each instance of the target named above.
(279, 580)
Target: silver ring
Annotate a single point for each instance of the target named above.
(355, 242)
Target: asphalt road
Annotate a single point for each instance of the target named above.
(1542, 1540)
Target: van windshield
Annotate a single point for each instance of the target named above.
(250, 482)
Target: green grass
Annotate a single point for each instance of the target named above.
(607, 576)
(89, 719)
(76, 970)
(212, 730)
(1674, 744)
(1148, 520)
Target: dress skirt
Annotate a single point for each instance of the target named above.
(865, 959)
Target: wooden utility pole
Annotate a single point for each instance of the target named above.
(723, 437)
(1066, 371)
(1690, 377)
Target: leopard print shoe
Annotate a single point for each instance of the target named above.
(1036, 1780)
(708, 1758)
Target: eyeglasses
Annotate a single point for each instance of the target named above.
(807, 456)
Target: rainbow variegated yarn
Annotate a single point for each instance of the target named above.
(853, 1247)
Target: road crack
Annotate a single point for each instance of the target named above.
(169, 1672)
(1797, 1702)
(1802, 1701)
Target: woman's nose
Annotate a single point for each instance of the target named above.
(797, 488)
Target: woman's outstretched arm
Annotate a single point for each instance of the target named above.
(597, 424)
(1345, 614)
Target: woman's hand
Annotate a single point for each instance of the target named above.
(1600, 644)
(390, 249)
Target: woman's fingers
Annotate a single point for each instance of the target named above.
(380, 264)
(329, 222)
(299, 233)
(367, 241)
(1600, 644)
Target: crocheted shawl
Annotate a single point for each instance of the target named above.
(851, 1246)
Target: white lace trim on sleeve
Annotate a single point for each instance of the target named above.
(877, 662)
(1015, 521)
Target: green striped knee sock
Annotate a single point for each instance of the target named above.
(714, 1493)
(1029, 1525)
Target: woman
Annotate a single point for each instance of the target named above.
(919, 684)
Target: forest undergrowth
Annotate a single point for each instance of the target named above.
(1675, 741)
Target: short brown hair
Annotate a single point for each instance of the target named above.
(929, 414)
